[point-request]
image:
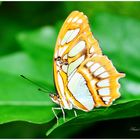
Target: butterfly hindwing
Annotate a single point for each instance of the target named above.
(101, 78)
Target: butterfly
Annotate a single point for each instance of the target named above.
(84, 77)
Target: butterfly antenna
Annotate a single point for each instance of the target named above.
(42, 90)
(45, 90)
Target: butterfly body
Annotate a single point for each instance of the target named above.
(84, 78)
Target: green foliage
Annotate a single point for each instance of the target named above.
(32, 56)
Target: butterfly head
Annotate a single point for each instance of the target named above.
(58, 61)
(55, 98)
(62, 63)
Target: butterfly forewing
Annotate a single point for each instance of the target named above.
(73, 30)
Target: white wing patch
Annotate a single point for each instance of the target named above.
(77, 49)
(103, 83)
(69, 36)
(89, 63)
(62, 50)
(69, 20)
(80, 21)
(78, 88)
(99, 71)
(75, 64)
(106, 99)
(73, 35)
(75, 19)
(94, 67)
(91, 49)
(70, 76)
(104, 91)
(65, 68)
(104, 75)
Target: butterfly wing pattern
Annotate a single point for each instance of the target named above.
(84, 77)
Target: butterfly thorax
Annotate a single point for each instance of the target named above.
(61, 64)
(56, 99)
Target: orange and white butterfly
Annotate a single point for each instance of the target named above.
(84, 77)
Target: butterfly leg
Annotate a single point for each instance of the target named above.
(64, 118)
(75, 113)
(53, 109)
(58, 108)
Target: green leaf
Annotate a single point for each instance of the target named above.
(125, 110)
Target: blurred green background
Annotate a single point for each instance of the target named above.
(28, 31)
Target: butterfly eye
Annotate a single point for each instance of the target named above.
(58, 58)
